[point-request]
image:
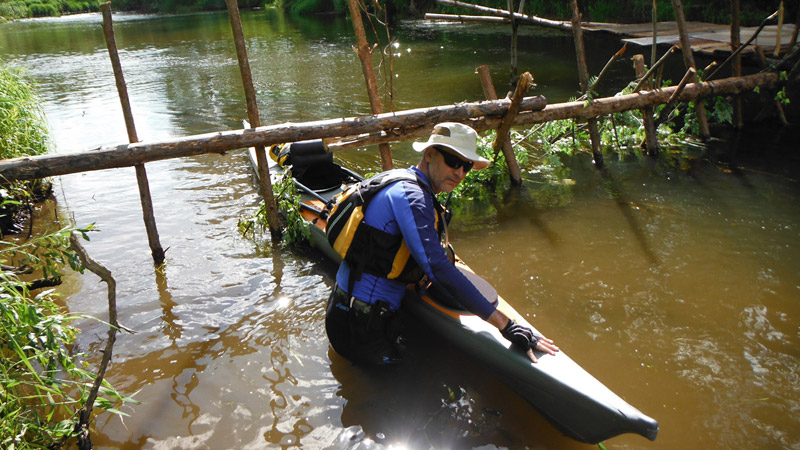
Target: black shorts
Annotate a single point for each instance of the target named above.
(363, 333)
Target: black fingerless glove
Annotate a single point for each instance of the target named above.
(520, 335)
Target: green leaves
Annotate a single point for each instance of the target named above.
(295, 229)
(42, 382)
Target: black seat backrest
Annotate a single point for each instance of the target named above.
(313, 166)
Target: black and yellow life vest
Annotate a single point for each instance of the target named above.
(369, 249)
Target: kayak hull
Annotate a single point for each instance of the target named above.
(558, 388)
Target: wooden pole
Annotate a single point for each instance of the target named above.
(265, 184)
(608, 65)
(392, 127)
(667, 110)
(688, 59)
(508, 151)
(651, 137)
(653, 50)
(762, 59)
(486, 82)
(502, 140)
(514, 26)
(736, 52)
(365, 55)
(141, 174)
(736, 69)
(778, 33)
(583, 72)
(652, 70)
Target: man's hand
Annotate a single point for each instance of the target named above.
(524, 338)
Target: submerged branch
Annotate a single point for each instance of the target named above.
(85, 414)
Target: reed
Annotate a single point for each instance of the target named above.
(23, 129)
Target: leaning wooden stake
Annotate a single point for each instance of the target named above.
(688, 58)
(608, 65)
(508, 151)
(652, 70)
(583, 72)
(265, 184)
(141, 174)
(502, 140)
(739, 50)
(666, 112)
(651, 137)
(491, 94)
(365, 55)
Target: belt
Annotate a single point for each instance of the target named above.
(362, 307)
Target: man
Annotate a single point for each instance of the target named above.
(361, 316)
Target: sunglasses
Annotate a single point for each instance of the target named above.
(454, 161)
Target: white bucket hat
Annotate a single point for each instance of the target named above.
(459, 138)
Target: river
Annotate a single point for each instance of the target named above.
(675, 284)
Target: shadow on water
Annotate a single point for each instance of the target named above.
(515, 200)
(620, 197)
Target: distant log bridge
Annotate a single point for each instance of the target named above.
(367, 130)
(708, 39)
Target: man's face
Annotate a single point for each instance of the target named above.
(442, 176)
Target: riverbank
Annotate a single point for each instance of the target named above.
(611, 11)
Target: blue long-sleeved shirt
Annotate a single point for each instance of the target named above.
(406, 208)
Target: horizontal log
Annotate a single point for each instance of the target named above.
(519, 17)
(463, 18)
(360, 131)
(582, 111)
(44, 166)
(601, 106)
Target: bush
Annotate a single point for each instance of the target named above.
(42, 381)
(23, 129)
(23, 132)
(43, 10)
(14, 10)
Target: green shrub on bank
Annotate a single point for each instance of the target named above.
(23, 129)
(44, 383)
(23, 132)
(19, 9)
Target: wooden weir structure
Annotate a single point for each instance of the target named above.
(380, 128)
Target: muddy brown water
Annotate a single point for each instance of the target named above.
(677, 285)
